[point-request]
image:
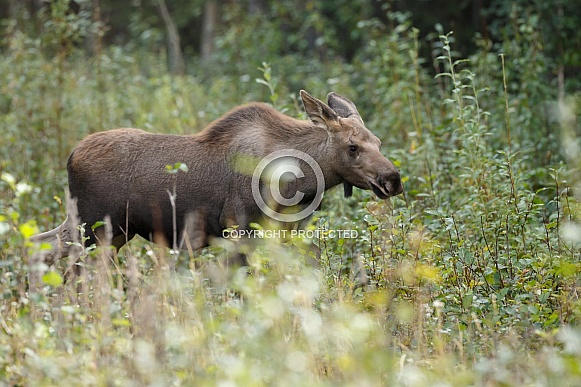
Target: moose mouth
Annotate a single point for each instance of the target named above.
(381, 192)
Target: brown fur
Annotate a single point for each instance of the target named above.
(121, 173)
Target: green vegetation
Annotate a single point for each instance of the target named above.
(472, 277)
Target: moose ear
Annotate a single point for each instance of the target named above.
(342, 106)
(319, 113)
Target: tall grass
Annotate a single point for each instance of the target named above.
(470, 278)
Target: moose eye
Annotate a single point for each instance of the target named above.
(353, 148)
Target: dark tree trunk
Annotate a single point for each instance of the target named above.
(208, 29)
(254, 6)
(174, 50)
(94, 39)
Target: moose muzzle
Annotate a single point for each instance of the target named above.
(387, 184)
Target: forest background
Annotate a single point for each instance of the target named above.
(469, 278)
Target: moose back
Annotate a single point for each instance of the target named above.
(121, 174)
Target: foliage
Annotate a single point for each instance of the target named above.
(470, 278)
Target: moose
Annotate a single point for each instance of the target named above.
(121, 174)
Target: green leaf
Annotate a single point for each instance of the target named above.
(121, 322)
(53, 279)
(173, 169)
(244, 164)
(97, 225)
(262, 81)
(28, 229)
(8, 178)
(467, 300)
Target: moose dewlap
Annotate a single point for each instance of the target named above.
(121, 174)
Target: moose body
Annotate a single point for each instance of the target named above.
(121, 174)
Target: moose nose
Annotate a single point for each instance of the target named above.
(391, 181)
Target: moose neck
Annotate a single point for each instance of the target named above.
(317, 143)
